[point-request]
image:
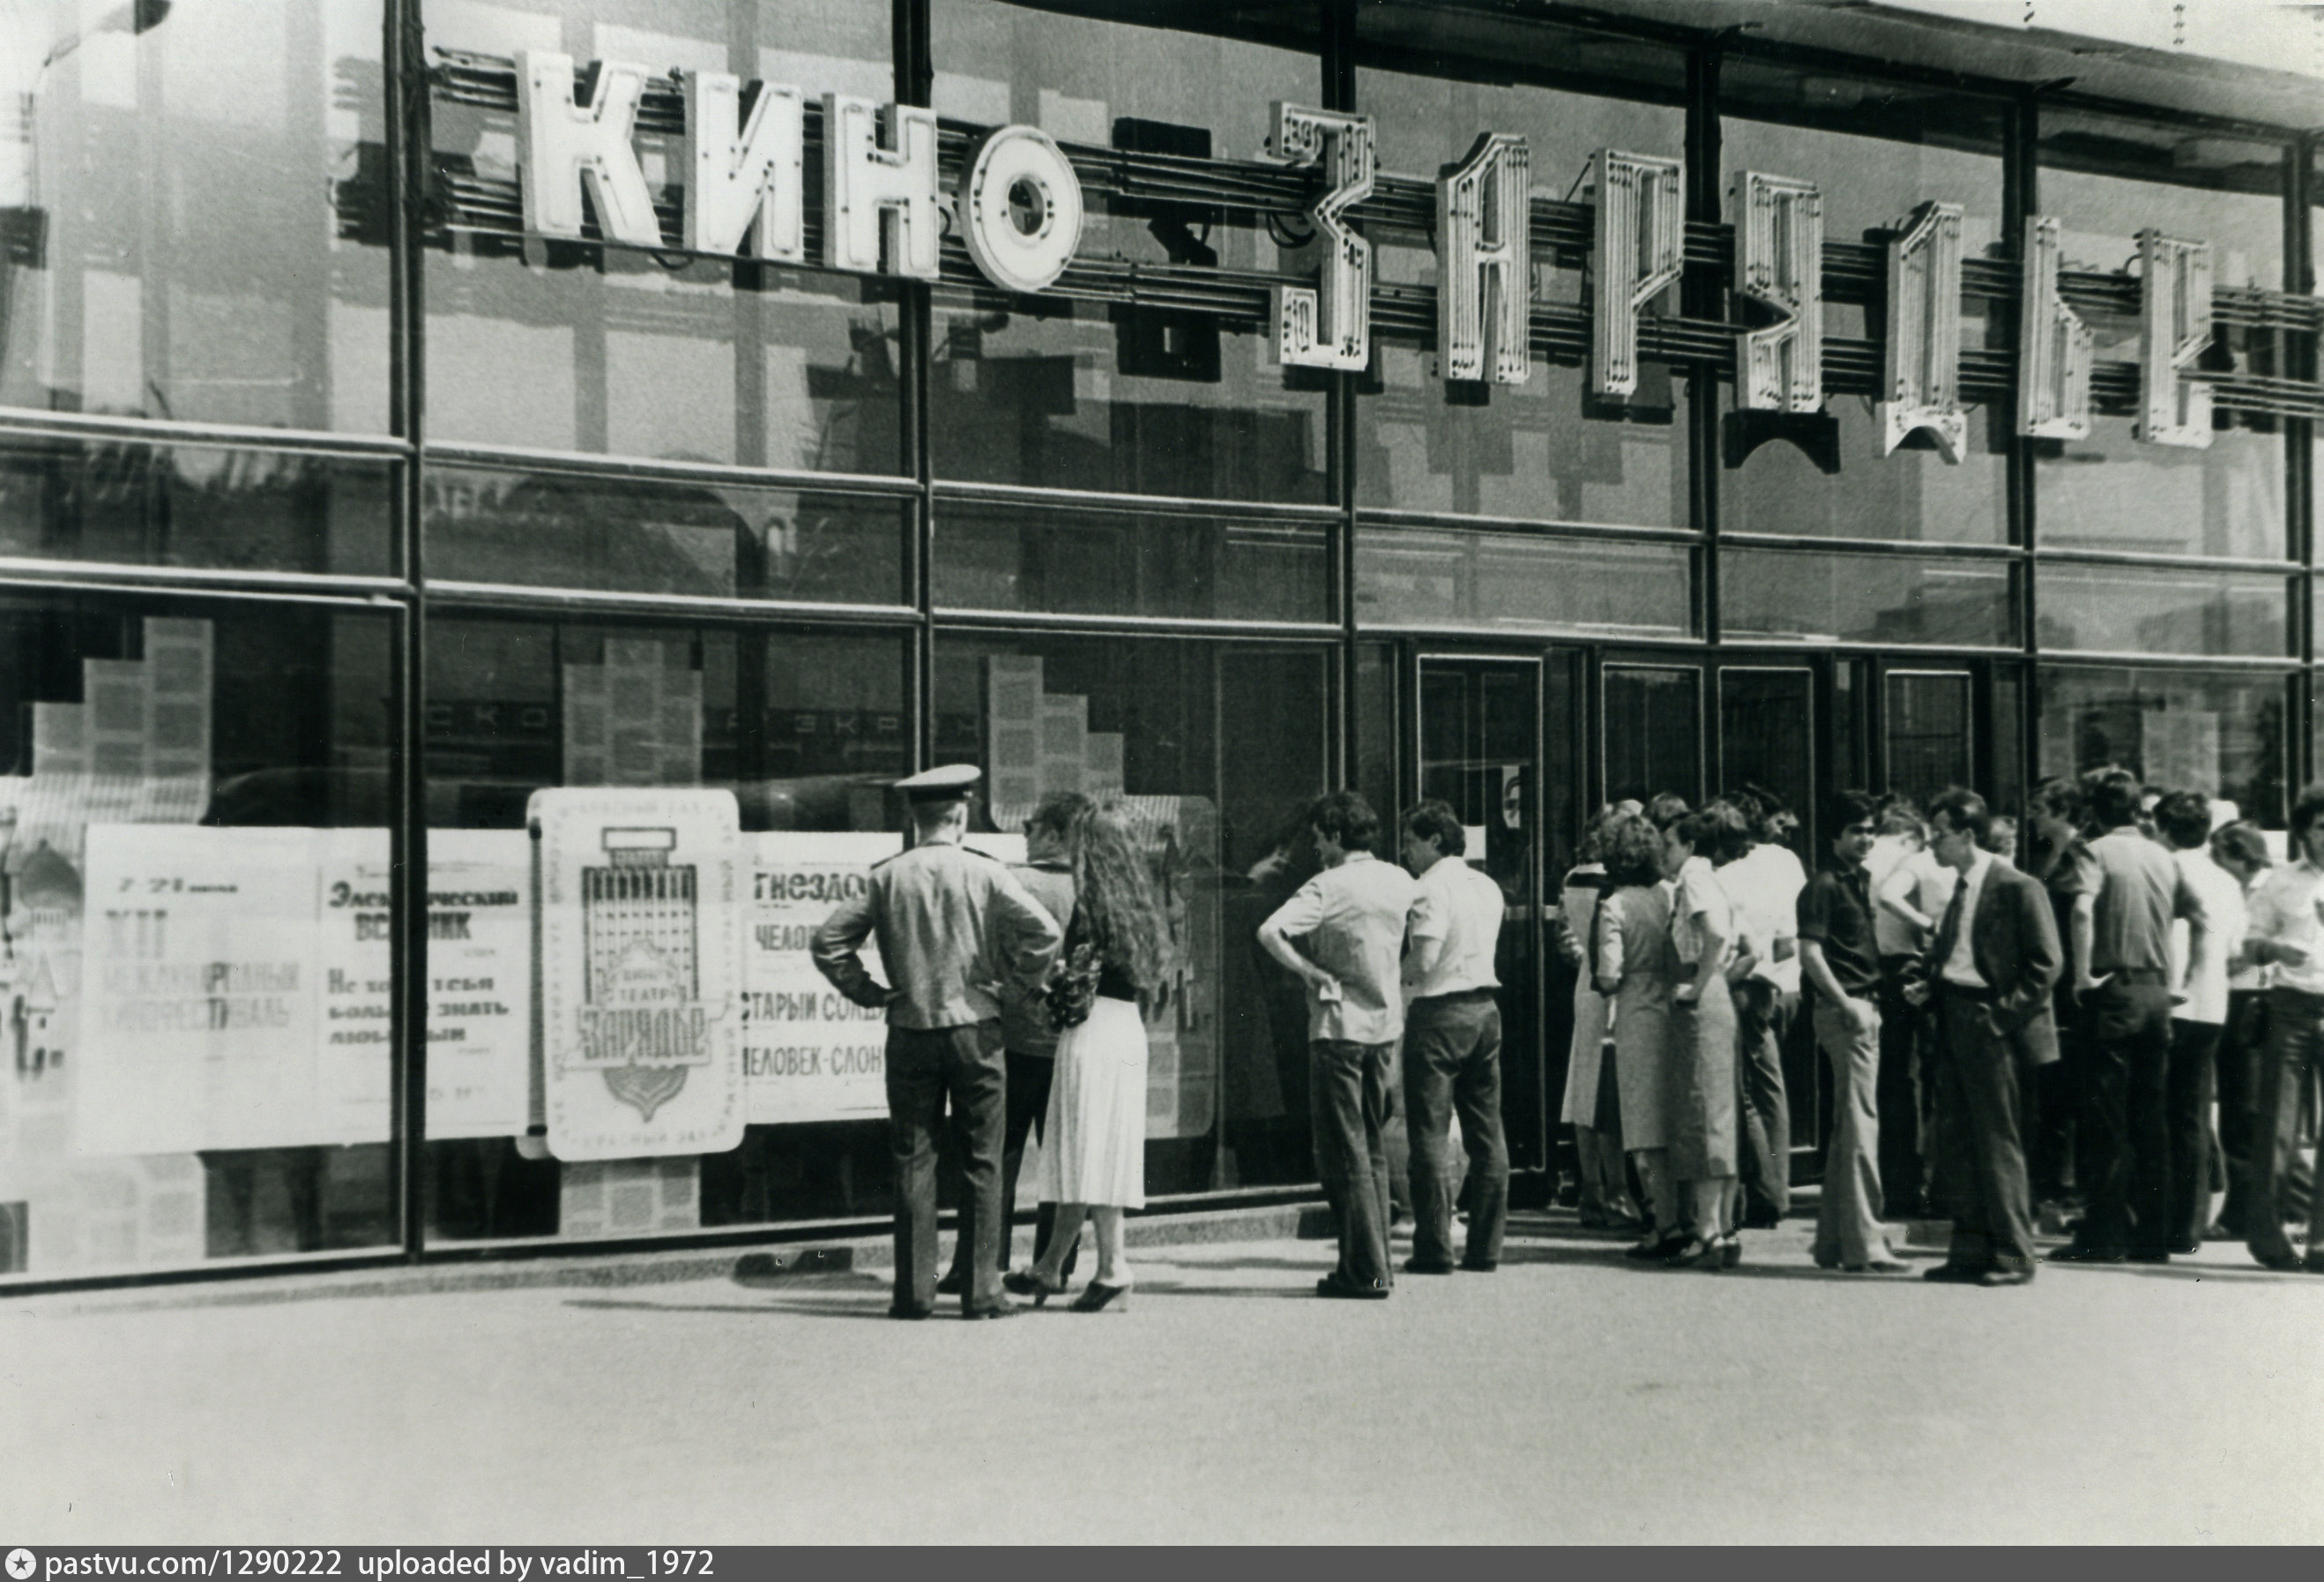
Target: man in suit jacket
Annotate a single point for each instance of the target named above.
(1990, 968)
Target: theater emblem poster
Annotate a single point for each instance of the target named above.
(640, 921)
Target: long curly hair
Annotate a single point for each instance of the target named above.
(1115, 909)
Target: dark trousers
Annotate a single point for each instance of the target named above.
(2240, 1049)
(1905, 1078)
(2126, 1069)
(2187, 1126)
(927, 1070)
(1763, 1017)
(1979, 1111)
(1452, 1061)
(1030, 1078)
(1352, 1094)
(2295, 1045)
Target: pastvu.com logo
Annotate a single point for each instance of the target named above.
(20, 1564)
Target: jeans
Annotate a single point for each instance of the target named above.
(1979, 1111)
(1029, 1080)
(1352, 1094)
(927, 1069)
(2187, 1122)
(1452, 1060)
(2295, 1044)
(2127, 1044)
(1848, 1224)
(2241, 1047)
(1763, 1014)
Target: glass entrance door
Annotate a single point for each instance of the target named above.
(1480, 750)
(1927, 731)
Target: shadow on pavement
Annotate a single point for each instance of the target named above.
(812, 1309)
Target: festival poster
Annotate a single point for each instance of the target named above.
(199, 990)
(808, 1052)
(641, 919)
(479, 1004)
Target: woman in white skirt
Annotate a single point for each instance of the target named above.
(1093, 1141)
(1589, 1101)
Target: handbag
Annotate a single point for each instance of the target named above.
(1074, 989)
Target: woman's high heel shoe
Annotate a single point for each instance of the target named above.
(1696, 1253)
(1097, 1296)
(1028, 1282)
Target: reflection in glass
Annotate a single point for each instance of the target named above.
(2220, 735)
(1900, 600)
(2163, 609)
(1652, 717)
(1216, 750)
(1510, 582)
(2109, 492)
(649, 354)
(1766, 732)
(181, 788)
(1926, 732)
(1175, 400)
(1076, 562)
(192, 212)
(709, 540)
(1912, 494)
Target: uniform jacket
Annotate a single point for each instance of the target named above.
(953, 926)
(2014, 942)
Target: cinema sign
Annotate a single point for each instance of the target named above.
(1017, 203)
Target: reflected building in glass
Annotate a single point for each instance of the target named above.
(346, 503)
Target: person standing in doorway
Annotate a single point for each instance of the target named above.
(2287, 932)
(2125, 892)
(1906, 1041)
(1453, 1045)
(1990, 968)
(2241, 852)
(1637, 972)
(1704, 1151)
(1344, 935)
(1030, 1043)
(952, 925)
(1765, 885)
(1592, 1105)
(1839, 955)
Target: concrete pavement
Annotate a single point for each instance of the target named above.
(1570, 1397)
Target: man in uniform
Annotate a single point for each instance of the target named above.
(952, 928)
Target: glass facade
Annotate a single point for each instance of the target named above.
(343, 514)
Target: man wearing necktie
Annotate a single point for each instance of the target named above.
(1990, 968)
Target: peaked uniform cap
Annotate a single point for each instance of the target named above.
(948, 783)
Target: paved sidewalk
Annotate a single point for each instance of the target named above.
(1572, 1396)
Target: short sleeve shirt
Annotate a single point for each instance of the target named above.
(1836, 911)
(1350, 921)
(1700, 895)
(2139, 891)
(1765, 886)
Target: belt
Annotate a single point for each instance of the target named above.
(1946, 985)
(2132, 975)
(1452, 995)
(2306, 997)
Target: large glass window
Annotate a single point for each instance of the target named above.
(1521, 583)
(2220, 735)
(1109, 562)
(192, 211)
(2107, 179)
(1540, 450)
(808, 730)
(2163, 609)
(566, 347)
(1175, 400)
(194, 980)
(1876, 151)
(1216, 750)
(1900, 600)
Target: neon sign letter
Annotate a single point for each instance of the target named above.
(1921, 374)
(1639, 248)
(879, 174)
(1484, 293)
(2053, 376)
(2175, 326)
(737, 177)
(1779, 264)
(561, 144)
(1330, 325)
(1012, 164)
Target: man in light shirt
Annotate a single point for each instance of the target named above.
(1764, 887)
(1342, 934)
(1906, 1080)
(1452, 1045)
(2199, 1012)
(2285, 933)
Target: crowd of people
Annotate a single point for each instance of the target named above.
(2021, 1023)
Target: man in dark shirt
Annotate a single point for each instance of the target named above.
(2127, 890)
(1839, 958)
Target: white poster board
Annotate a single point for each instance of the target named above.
(641, 970)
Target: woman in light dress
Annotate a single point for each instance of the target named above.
(1634, 969)
(1701, 1133)
(1589, 1106)
(1093, 1141)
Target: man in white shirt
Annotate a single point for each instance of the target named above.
(1764, 887)
(2285, 932)
(1901, 870)
(1342, 934)
(2199, 1012)
(1452, 1045)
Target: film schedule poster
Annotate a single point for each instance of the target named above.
(641, 970)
